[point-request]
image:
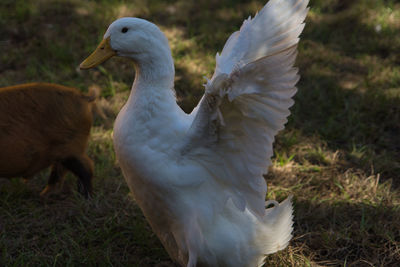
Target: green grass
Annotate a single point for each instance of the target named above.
(339, 154)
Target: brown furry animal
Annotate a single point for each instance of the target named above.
(44, 125)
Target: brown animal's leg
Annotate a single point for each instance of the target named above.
(56, 177)
(82, 167)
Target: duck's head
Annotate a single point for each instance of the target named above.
(134, 38)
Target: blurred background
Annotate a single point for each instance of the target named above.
(339, 154)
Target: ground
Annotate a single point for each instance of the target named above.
(339, 155)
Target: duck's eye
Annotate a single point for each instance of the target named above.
(124, 30)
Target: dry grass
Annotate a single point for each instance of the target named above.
(339, 154)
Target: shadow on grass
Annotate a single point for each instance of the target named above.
(74, 231)
(47, 40)
(343, 93)
(348, 234)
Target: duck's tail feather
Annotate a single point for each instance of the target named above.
(276, 229)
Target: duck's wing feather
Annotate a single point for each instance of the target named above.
(247, 102)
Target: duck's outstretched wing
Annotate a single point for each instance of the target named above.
(247, 102)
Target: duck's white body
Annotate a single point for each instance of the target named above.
(188, 210)
(198, 177)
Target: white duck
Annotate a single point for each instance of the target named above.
(198, 177)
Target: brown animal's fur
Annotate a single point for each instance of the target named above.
(44, 125)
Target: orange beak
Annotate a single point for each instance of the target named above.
(101, 54)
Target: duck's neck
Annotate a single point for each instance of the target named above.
(152, 90)
(155, 69)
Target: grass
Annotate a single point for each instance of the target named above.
(339, 154)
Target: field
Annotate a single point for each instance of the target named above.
(339, 154)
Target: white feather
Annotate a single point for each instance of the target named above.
(198, 178)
